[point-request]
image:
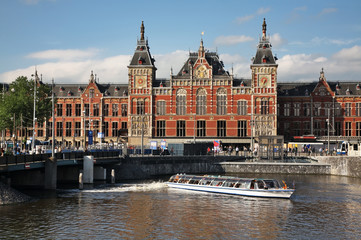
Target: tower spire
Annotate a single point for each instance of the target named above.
(142, 31)
(264, 29)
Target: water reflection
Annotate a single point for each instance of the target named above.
(322, 207)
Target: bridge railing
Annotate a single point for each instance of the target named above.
(74, 155)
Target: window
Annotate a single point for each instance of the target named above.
(140, 107)
(306, 128)
(124, 125)
(317, 128)
(77, 109)
(338, 109)
(115, 110)
(221, 128)
(68, 129)
(181, 128)
(106, 110)
(358, 129)
(124, 109)
(59, 110)
(161, 107)
(68, 110)
(317, 109)
(87, 127)
(297, 129)
(348, 129)
(242, 107)
(358, 109)
(338, 128)
(242, 128)
(201, 128)
(201, 102)
(91, 93)
(59, 129)
(307, 109)
(296, 109)
(86, 109)
(286, 109)
(348, 111)
(40, 132)
(77, 130)
(160, 128)
(95, 127)
(181, 102)
(95, 109)
(264, 106)
(49, 126)
(221, 101)
(115, 129)
(105, 129)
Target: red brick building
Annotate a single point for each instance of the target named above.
(203, 102)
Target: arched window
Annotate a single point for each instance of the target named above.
(201, 102)
(221, 101)
(181, 101)
(264, 106)
(140, 106)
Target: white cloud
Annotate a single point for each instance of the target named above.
(64, 55)
(343, 65)
(260, 11)
(277, 41)
(231, 40)
(327, 11)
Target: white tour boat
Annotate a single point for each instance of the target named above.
(252, 187)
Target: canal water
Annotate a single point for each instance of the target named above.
(323, 207)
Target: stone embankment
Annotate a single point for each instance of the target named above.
(9, 195)
(342, 165)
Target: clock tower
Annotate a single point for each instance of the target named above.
(264, 86)
(141, 74)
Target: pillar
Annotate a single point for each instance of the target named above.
(88, 168)
(51, 168)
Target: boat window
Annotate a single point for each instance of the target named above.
(260, 184)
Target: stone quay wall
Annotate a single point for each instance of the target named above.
(148, 167)
(342, 165)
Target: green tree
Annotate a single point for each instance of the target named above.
(18, 101)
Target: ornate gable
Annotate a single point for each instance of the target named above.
(322, 88)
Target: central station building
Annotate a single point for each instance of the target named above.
(202, 102)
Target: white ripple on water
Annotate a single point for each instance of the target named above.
(142, 187)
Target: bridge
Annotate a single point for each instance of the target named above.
(40, 170)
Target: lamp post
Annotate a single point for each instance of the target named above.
(34, 119)
(84, 129)
(53, 122)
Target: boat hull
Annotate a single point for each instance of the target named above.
(266, 193)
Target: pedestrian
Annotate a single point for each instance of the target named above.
(237, 150)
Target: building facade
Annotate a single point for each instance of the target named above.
(203, 102)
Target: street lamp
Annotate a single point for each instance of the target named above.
(34, 119)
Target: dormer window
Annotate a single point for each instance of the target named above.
(264, 59)
(307, 93)
(242, 84)
(358, 87)
(348, 92)
(140, 60)
(337, 87)
(80, 89)
(116, 89)
(62, 89)
(70, 93)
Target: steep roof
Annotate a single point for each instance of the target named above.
(264, 53)
(142, 56)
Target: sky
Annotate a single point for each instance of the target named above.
(65, 40)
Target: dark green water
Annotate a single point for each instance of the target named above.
(323, 207)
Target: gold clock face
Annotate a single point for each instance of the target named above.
(264, 81)
(140, 81)
(201, 72)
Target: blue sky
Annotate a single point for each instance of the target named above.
(67, 39)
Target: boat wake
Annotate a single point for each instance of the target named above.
(128, 187)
